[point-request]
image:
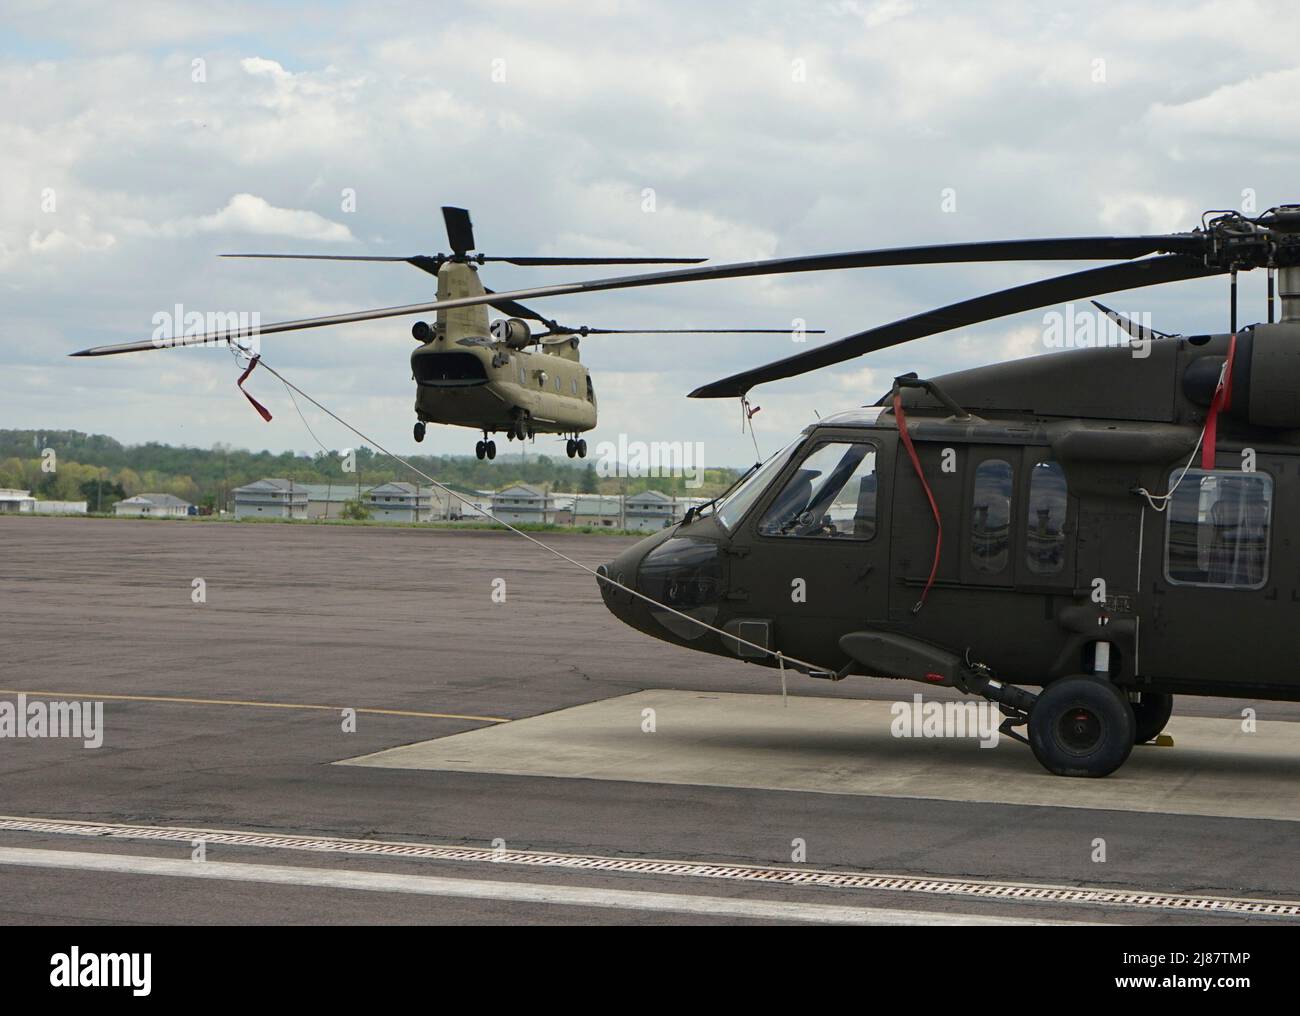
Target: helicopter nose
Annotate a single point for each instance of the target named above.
(617, 599)
(681, 577)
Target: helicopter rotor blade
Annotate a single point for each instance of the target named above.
(460, 231)
(431, 263)
(998, 250)
(586, 330)
(535, 261)
(1078, 285)
(317, 257)
(513, 308)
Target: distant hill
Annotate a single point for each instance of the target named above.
(101, 470)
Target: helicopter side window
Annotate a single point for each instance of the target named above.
(523, 374)
(832, 495)
(990, 547)
(1045, 521)
(1217, 533)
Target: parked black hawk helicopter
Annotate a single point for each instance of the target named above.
(501, 376)
(1097, 522)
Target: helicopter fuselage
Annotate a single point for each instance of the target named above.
(1053, 561)
(466, 377)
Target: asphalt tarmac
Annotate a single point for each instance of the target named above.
(237, 663)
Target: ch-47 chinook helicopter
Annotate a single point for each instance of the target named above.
(1097, 522)
(492, 377)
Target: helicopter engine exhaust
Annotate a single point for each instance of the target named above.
(514, 332)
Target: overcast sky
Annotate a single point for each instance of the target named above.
(139, 140)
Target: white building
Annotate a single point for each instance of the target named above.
(401, 502)
(648, 510)
(271, 499)
(598, 510)
(60, 507)
(13, 500)
(326, 500)
(154, 506)
(523, 503)
(481, 500)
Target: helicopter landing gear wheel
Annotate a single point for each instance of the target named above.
(491, 449)
(519, 429)
(480, 449)
(1081, 726)
(571, 448)
(1151, 712)
(582, 448)
(418, 433)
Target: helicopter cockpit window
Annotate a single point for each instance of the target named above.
(1045, 520)
(990, 547)
(1217, 531)
(732, 508)
(831, 495)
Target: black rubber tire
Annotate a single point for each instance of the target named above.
(1081, 726)
(571, 448)
(418, 432)
(582, 447)
(1151, 713)
(480, 449)
(491, 449)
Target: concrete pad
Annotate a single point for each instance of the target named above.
(843, 746)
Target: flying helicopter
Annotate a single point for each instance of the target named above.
(1097, 523)
(501, 376)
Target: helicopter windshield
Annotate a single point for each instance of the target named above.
(730, 510)
(831, 494)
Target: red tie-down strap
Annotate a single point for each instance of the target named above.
(1221, 402)
(934, 506)
(265, 413)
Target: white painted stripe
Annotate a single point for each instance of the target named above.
(513, 892)
(1017, 892)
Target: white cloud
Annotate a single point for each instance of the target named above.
(248, 213)
(154, 172)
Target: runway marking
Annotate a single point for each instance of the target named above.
(513, 892)
(774, 875)
(178, 700)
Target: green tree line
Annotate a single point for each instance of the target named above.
(100, 470)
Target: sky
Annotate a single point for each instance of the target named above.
(139, 141)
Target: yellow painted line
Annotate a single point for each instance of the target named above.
(241, 702)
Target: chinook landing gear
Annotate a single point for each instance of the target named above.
(486, 449)
(419, 431)
(576, 447)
